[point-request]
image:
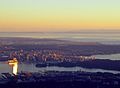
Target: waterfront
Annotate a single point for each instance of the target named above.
(4, 68)
(110, 56)
(65, 52)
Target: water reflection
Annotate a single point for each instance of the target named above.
(31, 68)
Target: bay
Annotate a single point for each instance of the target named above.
(5, 68)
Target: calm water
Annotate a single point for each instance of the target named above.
(109, 37)
(111, 57)
(31, 68)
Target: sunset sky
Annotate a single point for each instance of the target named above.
(59, 15)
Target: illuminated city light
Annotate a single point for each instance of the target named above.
(14, 64)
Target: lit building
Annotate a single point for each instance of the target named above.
(14, 64)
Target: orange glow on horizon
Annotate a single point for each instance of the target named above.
(59, 15)
(50, 26)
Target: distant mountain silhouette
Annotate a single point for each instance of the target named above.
(18, 40)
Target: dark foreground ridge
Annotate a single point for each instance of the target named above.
(54, 79)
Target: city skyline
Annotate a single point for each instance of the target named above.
(59, 15)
